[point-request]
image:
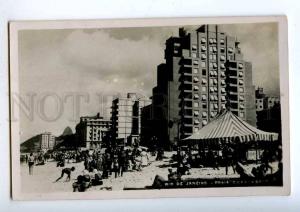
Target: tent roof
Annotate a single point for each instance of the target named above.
(229, 126)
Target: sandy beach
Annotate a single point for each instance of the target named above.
(43, 178)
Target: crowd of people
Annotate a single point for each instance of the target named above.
(99, 164)
(104, 163)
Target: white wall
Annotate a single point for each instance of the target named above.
(95, 9)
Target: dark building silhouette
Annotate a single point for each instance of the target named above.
(268, 112)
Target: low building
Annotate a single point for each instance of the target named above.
(42, 142)
(268, 112)
(91, 130)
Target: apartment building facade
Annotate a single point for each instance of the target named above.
(91, 130)
(204, 73)
(126, 118)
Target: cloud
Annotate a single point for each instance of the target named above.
(102, 62)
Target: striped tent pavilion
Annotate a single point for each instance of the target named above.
(227, 127)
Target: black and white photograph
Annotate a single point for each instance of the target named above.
(149, 108)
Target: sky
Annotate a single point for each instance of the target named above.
(65, 74)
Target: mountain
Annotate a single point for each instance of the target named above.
(67, 131)
(31, 145)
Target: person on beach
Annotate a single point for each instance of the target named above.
(66, 171)
(116, 167)
(122, 158)
(31, 163)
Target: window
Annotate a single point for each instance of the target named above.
(196, 129)
(211, 81)
(196, 96)
(222, 50)
(222, 41)
(211, 97)
(194, 47)
(211, 41)
(210, 65)
(223, 106)
(196, 88)
(222, 74)
(204, 106)
(204, 81)
(203, 89)
(195, 71)
(211, 73)
(196, 121)
(223, 82)
(241, 89)
(195, 62)
(222, 58)
(177, 44)
(203, 40)
(214, 40)
(241, 82)
(214, 57)
(194, 55)
(212, 114)
(241, 97)
(204, 114)
(230, 50)
(216, 106)
(196, 79)
(204, 122)
(216, 98)
(203, 56)
(216, 89)
(242, 106)
(204, 97)
(210, 48)
(241, 65)
(196, 113)
(215, 65)
(211, 89)
(203, 72)
(241, 74)
(215, 73)
(196, 104)
(214, 49)
(215, 81)
(203, 64)
(222, 66)
(223, 98)
(203, 48)
(242, 115)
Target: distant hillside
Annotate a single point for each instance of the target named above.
(30, 145)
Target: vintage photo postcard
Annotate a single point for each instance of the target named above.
(149, 108)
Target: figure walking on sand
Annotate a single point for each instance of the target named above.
(66, 171)
(31, 163)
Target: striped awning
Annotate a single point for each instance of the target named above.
(230, 128)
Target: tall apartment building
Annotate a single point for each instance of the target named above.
(91, 130)
(203, 74)
(126, 117)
